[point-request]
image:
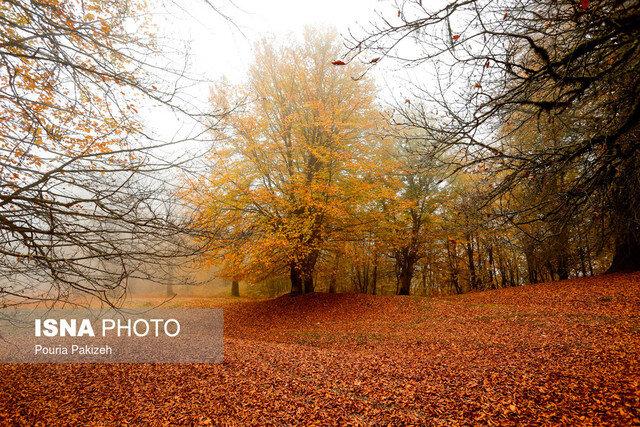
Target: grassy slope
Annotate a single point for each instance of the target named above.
(558, 352)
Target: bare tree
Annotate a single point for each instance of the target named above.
(86, 191)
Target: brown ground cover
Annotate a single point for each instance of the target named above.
(557, 353)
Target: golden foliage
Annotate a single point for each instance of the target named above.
(298, 163)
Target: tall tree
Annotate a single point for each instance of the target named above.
(409, 217)
(290, 168)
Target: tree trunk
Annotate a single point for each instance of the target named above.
(365, 278)
(626, 255)
(333, 284)
(235, 288)
(308, 283)
(170, 292)
(405, 267)
(473, 281)
(503, 270)
(532, 268)
(453, 266)
(512, 276)
(333, 281)
(374, 286)
(480, 259)
(552, 271)
(492, 267)
(626, 223)
(405, 283)
(309, 267)
(583, 261)
(301, 274)
(296, 280)
(170, 281)
(563, 255)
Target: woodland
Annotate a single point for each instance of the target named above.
(498, 185)
(514, 162)
(527, 173)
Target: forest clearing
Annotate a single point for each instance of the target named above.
(554, 353)
(390, 212)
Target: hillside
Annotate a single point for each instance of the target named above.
(564, 352)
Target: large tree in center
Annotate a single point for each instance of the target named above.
(290, 167)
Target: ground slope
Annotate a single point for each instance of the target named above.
(563, 352)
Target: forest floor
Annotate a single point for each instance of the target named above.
(556, 353)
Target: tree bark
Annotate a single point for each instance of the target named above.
(170, 292)
(333, 281)
(308, 284)
(301, 275)
(551, 270)
(473, 281)
(502, 269)
(405, 267)
(170, 281)
(626, 255)
(452, 257)
(374, 283)
(563, 255)
(296, 280)
(333, 284)
(492, 267)
(626, 223)
(583, 262)
(532, 267)
(235, 288)
(405, 283)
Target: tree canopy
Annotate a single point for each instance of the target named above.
(295, 166)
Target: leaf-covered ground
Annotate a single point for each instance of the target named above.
(559, 353)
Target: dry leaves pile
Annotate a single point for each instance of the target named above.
(554, 353)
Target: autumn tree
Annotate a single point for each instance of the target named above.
(84, 200)
(571, 64)
(409, 221)
(290, 169)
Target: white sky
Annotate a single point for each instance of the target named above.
(224, 48)
(218, 48)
